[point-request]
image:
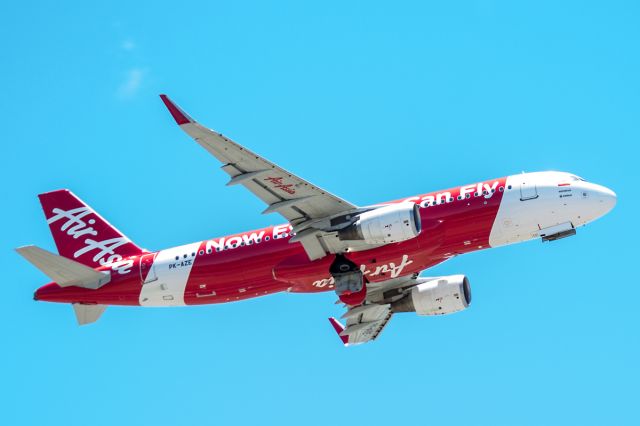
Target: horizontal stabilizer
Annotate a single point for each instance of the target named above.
(86, 314)
(65, 272)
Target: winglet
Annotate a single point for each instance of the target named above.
(179, 115)
(339, 328)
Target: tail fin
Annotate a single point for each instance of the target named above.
(82, 234)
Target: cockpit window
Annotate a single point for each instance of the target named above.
(576, 178)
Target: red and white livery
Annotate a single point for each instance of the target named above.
(370, 256)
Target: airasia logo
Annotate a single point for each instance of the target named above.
(279, 184)
(74, 226)
(394, 270)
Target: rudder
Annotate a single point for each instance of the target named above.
(82, 234)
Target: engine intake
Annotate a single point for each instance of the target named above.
(388, 224)
(441, 296)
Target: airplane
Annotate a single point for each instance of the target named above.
(370, 256)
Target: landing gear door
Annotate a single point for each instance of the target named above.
(147, 268)
(528, 190)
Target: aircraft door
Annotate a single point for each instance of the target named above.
(147, 268)
(528, 189)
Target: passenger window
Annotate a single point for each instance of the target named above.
(201, 252)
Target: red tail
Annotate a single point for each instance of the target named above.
(82, 234)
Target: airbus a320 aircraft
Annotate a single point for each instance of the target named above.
(370, 256)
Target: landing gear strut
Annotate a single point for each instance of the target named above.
(350, 283)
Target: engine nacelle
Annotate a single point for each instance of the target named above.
(388, 224)
(441, 296)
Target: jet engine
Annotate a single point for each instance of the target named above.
(441, 296)
(384, 225)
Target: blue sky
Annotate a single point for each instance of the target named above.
(372, 101)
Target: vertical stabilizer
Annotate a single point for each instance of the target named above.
(82, 234)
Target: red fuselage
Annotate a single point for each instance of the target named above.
(263, 261)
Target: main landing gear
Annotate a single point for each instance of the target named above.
(350, 283)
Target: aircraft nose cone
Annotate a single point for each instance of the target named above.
(606, 199)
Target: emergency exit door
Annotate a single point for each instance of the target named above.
(528, 190)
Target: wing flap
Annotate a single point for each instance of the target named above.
(245, 177)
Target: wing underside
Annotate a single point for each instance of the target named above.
(364, 323)
(298, 201)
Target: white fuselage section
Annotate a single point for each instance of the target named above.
(547, 201)
(166, 282)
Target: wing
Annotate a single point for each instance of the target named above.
(299, 201)
(364, 323)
